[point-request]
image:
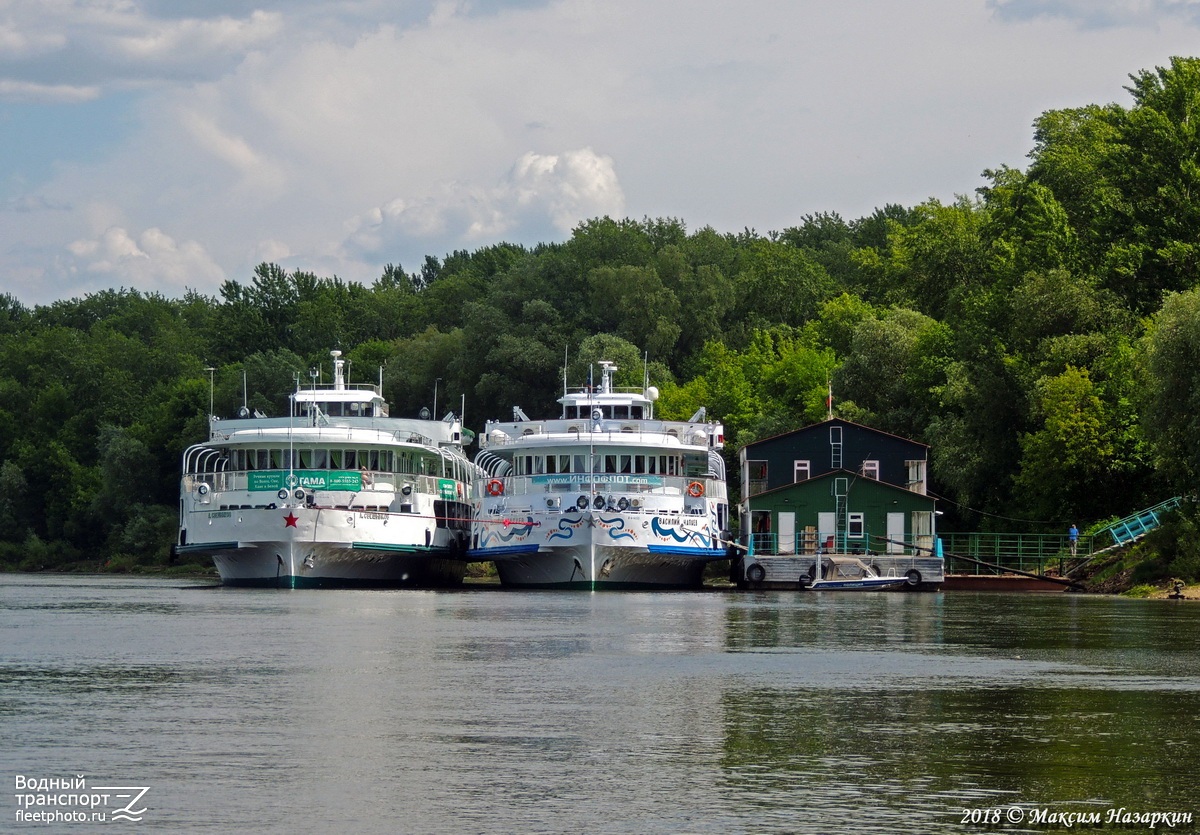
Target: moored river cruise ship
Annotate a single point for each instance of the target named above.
(605, 496)
(338, 493)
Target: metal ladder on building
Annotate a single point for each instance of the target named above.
(841, 489)
(835, 447)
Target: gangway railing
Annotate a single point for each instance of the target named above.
(1021, 551)
(1134, 527)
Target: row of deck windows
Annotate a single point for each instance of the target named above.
(335, 409)
(667, 465)
(375, 460)
(623, 412)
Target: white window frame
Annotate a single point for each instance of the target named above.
(801, 467)
(851, 520)
(870, 469)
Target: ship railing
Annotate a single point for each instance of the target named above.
(372, 480)
(804, 542)
(575, 484)
(609, 430)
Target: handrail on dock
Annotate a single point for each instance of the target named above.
(1139, 524)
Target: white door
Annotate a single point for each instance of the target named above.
(826, 531)
(895, 533)
(787, 533)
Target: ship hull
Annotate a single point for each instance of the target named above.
(600, 550)
(612, 569)
(327, 550)
(263, 565)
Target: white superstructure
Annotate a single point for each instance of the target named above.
(604, 496)
(336, 494)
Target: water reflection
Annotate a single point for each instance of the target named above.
(526, 712)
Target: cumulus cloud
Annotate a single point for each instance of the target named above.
(153, 261)
(51, 44)
(543, 195)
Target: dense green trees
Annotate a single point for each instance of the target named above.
(1042, 336)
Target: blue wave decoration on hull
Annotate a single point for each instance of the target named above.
(566, 528)
(616, 528)
(695, 537)
(513, 529)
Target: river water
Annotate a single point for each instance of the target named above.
(497, 711)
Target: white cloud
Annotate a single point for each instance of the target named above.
(153, 261)
(544, 195)
(32, 91)
(46, 44)
(255, 170)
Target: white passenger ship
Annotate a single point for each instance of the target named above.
(605, 496)
(336, 494)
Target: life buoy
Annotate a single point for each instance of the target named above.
(756, 573)
(495, 487)
(695, 489)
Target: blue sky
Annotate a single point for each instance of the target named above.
(169, 145)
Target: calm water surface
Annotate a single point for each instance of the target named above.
(497, 711)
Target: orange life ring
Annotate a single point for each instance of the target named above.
(695, 489)
(495, 487)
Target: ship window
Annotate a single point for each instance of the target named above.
(320, 459)
(539, 465)
(262, 459)
(374, 459)
(636, 413)
(551, 464)
(610, 463)
(579, 464)
(626, 463)
(639, 463)
(336, 458)
(349, 459)
(621, 412)
(564, 463)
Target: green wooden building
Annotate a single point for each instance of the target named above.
(837, 487)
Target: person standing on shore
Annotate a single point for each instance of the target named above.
(1073, 537)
